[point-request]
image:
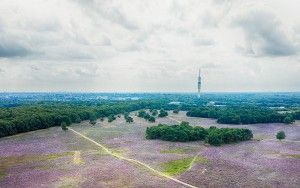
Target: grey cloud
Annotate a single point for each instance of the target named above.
(209, 20)
(105, 41)
(112, 14)
(117, 17)
(203, 42)
(9, 49)
(41, 26)
(264, 36)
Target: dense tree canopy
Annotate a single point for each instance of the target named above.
(146, 116)
(36, 116)
(162, 113)
(128, 118)
(28, 112)
(280, 135)
(184, 132)
(241, 115)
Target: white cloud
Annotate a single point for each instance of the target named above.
(96, 45)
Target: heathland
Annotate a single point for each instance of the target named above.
(106, 145)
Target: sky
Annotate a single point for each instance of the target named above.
(149, 45)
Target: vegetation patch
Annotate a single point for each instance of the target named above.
(176, 167)
(243, 115)
(8, 162)
(176, 150)
(120, 151)
(2, 175)
(146, 116)
(184, 132)
(295, 156)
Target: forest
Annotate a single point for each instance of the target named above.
(22, 112)
(36, 116)
(184, 133)
(243, 115)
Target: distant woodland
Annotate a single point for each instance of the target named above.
(27, 112)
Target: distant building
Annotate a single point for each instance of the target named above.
(175, 102)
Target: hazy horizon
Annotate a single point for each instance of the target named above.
(149, 46)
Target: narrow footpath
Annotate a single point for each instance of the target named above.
(107, 150)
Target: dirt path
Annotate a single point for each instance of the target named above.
(174, 119)
(295, 141)
(132, 160)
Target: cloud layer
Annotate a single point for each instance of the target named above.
(96, 45)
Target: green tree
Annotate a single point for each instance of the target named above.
(151, 119)
(214, 139)
(280, 135)
(176, 111)
(142, 113)
(64, 126)
(162, 113)
(111, 118)
(288, 119)
(154, 112)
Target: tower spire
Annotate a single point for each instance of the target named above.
(199, 82)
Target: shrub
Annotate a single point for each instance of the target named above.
(176, 111)
(288, 119)
(154, 112)
(280, 135)
(128, 118)
(64, 126)
(111, 118)
(151, 119)
(162, 113)
(142, 113)
(93, 122)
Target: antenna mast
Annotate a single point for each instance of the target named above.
(199, 82)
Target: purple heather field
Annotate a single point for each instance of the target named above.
(54, 158)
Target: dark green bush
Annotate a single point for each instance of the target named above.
(184, 132)
(162, 113)
(111, 118)
(64, 126)
(280, 135)
(154, 112)
(176, 111)
(128, 118)
(151, 119)
(289, 119)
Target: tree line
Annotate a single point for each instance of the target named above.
(30, 117)
(242, 115)
(154, 113)
(184, 132)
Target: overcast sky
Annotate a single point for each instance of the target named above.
(142, 46)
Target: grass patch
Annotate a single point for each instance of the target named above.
(120, 151)
(296, 156)
(202, 160)
(176, 151)
(176, 167)
(53, 156)
(8, 162)
(2, 175)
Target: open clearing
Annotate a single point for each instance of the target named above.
(53, 158)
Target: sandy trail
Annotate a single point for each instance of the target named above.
(295, 141)
(132, 160)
